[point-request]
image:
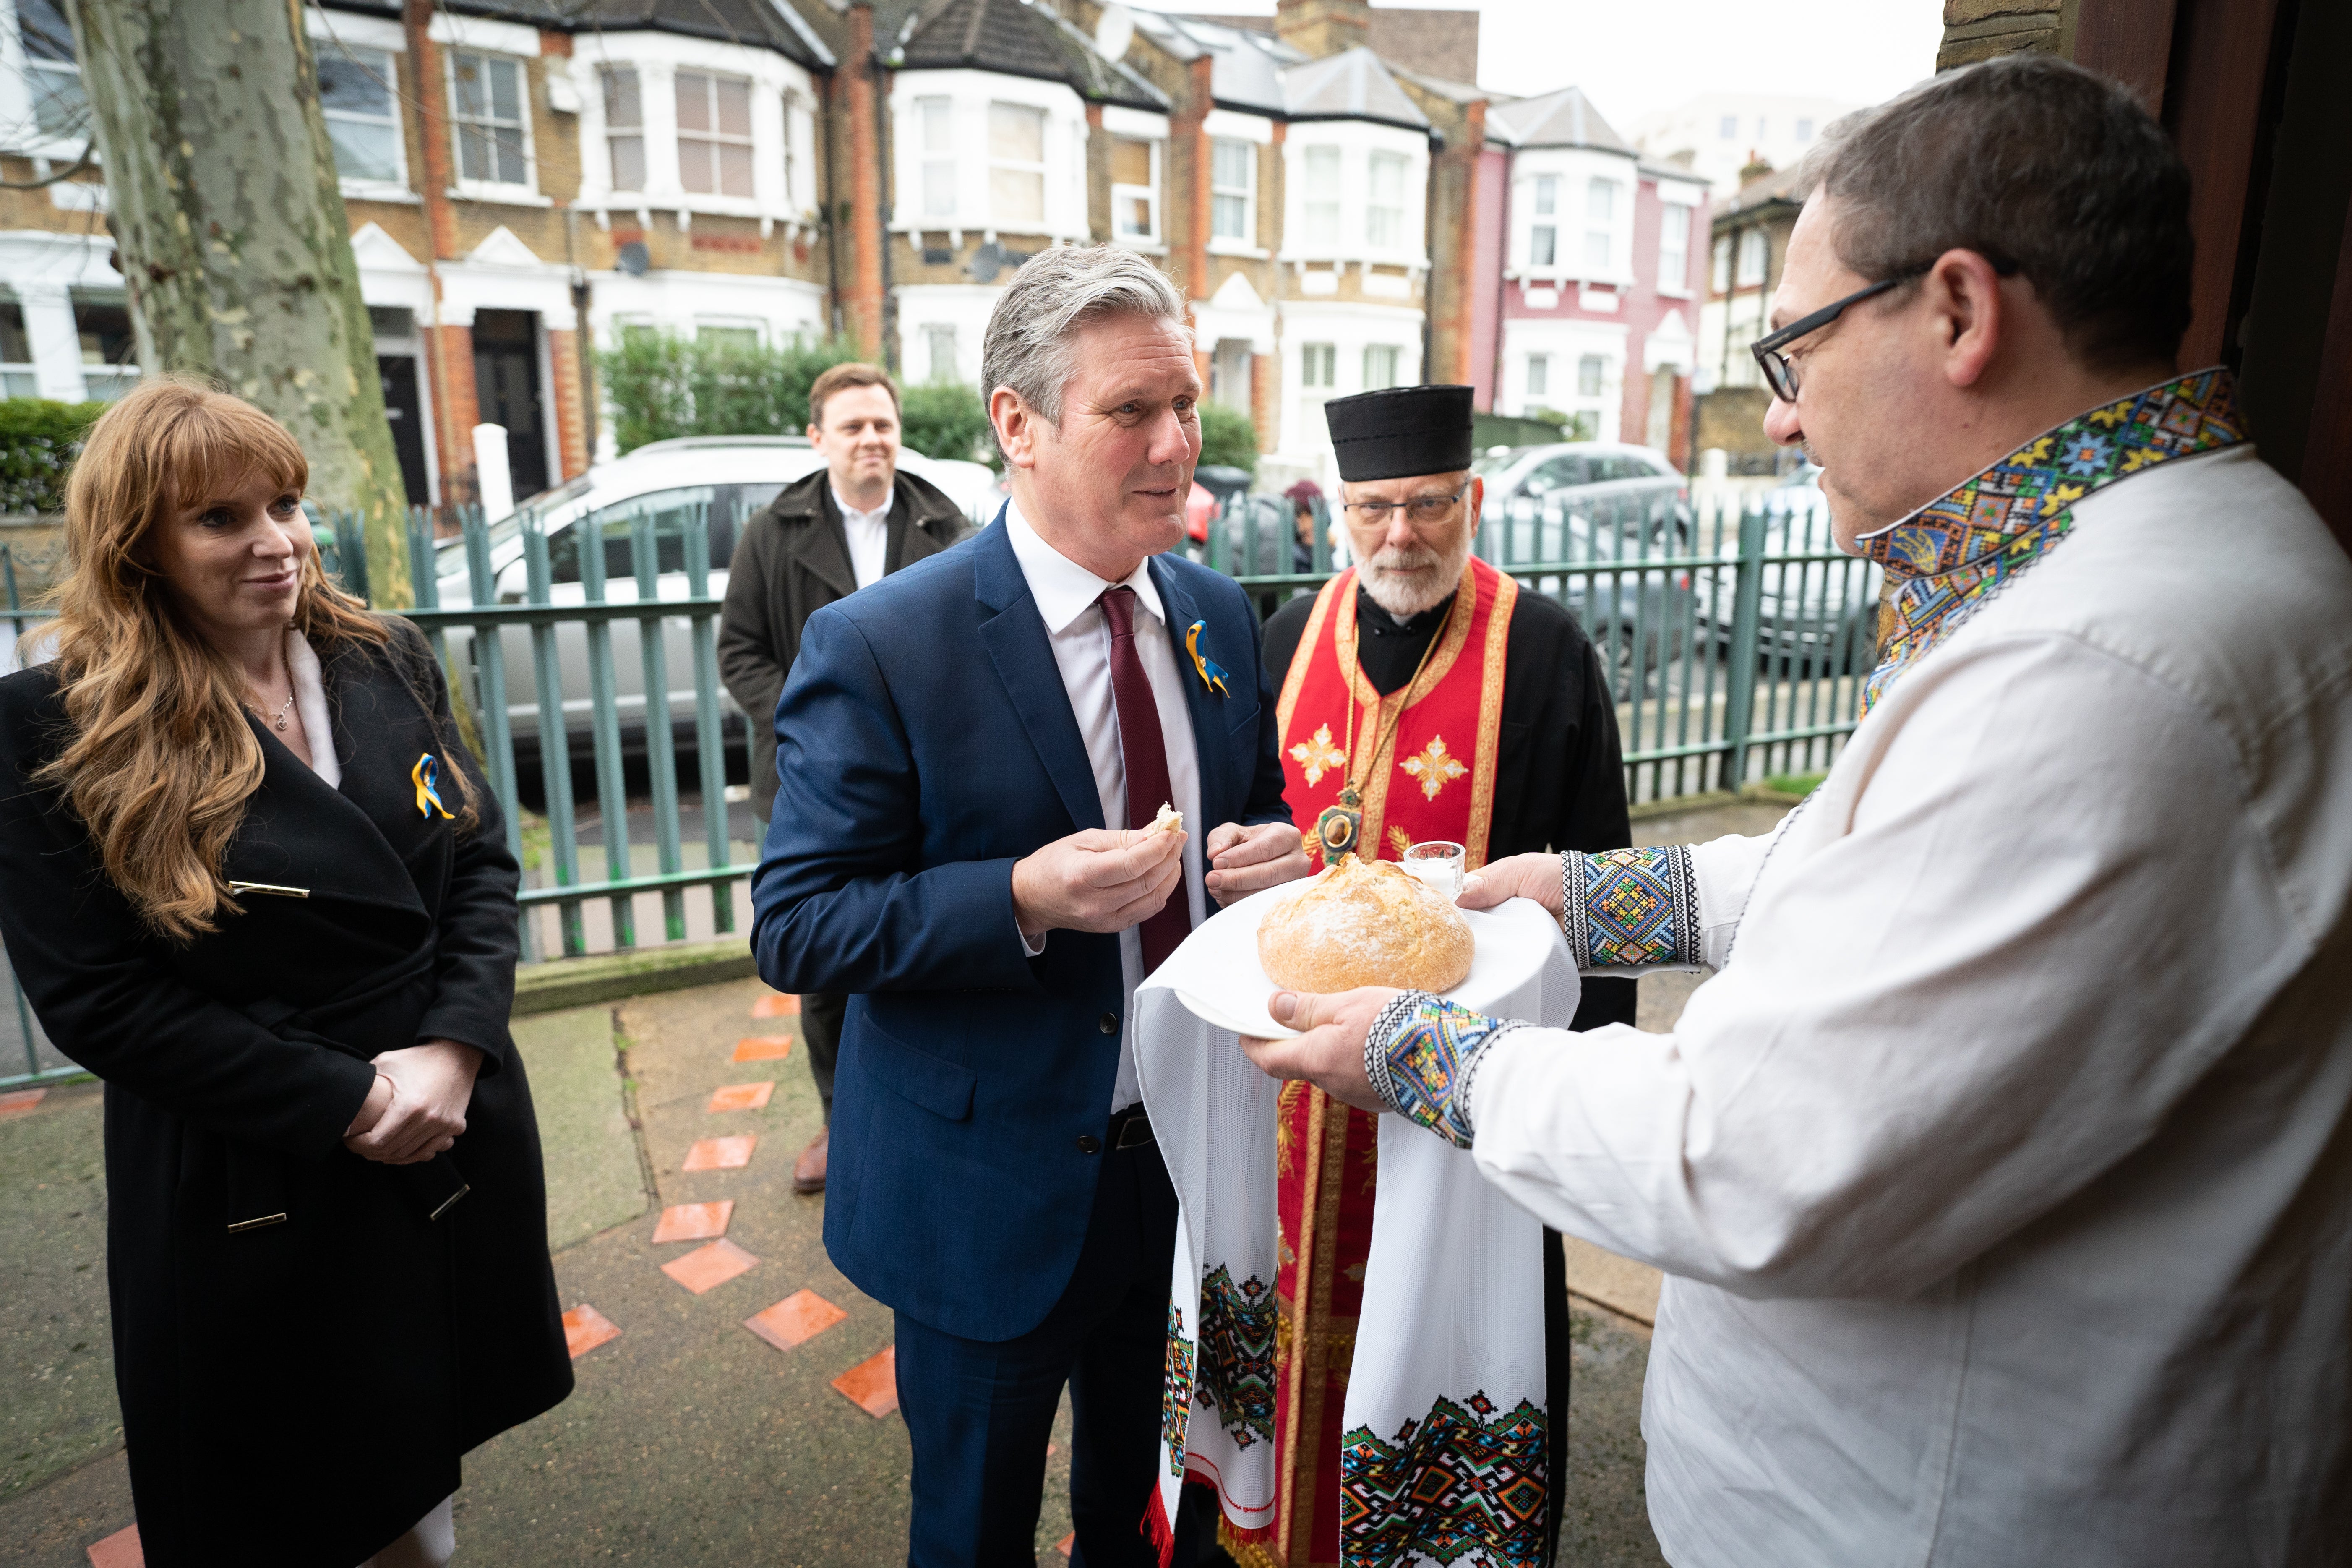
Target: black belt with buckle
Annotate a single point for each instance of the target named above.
(1130, 1128)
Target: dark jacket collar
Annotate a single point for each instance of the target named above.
(814, 534)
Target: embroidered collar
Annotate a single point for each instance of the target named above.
(1946, 560)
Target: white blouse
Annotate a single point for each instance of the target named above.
(310, 702)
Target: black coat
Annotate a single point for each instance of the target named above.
(792, 561)
(1560, 779)
(302, 1389)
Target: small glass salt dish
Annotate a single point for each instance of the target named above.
(1438, 864)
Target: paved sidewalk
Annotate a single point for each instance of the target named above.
(692, 1438)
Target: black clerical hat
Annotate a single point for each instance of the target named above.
(1401, 432)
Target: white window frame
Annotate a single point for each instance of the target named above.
(1120, 194)
(1246, 192)
(1674, 259)
(1041, 168)
(1544, 197)
(1596, 368)
(1753, 259)
(20, 378)
(1394, 371)
(1310, 200)
(1602, 228)
(1538, 376)
(353, 186)
(1719, 267)
(749, 141)
(127, 374)
(933, 332)
(782, 128)
(25, 92)
(1402, 207)
(642, 129)
(755, 325)
(932, 160)
(495, 190)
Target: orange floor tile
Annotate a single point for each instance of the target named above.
(873, 1384)
(586, 1328)
(19, 1101)
(762, 1048)
(799, 1317)
(709, 1266)
(694, 1222)
(776, 1006)
(741, 1097)
(720, 1153)
(121, 1550)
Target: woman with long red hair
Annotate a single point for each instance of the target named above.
(250, 877)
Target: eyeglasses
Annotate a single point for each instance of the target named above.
(1421, 508)
(1780, 371)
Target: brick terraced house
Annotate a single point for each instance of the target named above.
(525, 180)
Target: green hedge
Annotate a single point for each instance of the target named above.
(1228, 437)
(38, 442)
(945, 419)
(663, 384)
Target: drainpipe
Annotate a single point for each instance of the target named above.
(833, 216)
(441, 236)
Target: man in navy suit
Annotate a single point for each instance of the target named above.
(970, 755)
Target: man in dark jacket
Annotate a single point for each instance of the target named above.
(823, 538)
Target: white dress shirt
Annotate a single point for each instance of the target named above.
(2000, 1176)
(1067, 597)
(869, 537)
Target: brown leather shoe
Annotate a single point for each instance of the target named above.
(808, 1170)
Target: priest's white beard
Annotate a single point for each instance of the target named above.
(1395, 582)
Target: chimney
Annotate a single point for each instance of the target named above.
(1321, 27)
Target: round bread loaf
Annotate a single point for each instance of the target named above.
(1365, 923)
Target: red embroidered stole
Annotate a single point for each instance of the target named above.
(1433, 778)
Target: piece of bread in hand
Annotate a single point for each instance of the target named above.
(1366, 924)
(1169, 820)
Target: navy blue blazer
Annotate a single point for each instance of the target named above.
(924, 743)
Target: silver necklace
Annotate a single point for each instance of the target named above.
(279, 719)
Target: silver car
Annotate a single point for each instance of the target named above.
(716, 484)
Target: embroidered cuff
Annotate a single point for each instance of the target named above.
(1624, 909)
(1423, 1053)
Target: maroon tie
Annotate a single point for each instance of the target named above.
(1146, 758)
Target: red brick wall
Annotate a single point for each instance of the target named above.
(570, 420)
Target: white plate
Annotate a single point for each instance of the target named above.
(1217, 977)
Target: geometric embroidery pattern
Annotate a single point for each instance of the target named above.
(1622, 909)
(1466, 1485)
(1237, 1325)
(1434, 768)
(1422, 1053)
(1176, 1391)
(1947, 560)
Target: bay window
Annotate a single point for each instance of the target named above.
(1321, 191)
(714, 134)
(1600, 217)
(1381, 367)
(1674, 246)
(1016, 164)
(1543, 237)
(1384, 205)
(935, 123)
(625, 126)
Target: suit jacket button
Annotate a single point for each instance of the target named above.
(1107, 1023)
(1089, 1145)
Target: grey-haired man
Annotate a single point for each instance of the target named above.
(964, 843)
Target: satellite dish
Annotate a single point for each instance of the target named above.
(634, 258)
(986, 263)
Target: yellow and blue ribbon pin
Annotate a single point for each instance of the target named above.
(425, 776)
(1213, 675)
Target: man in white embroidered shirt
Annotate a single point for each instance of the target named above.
(2001, 1174)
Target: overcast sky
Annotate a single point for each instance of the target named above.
(1632, 56)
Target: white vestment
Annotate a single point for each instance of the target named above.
(2003, 1176)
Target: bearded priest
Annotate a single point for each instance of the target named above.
(1428, 697)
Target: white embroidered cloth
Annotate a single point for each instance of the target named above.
(1449, 1371)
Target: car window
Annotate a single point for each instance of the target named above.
(1557, 473)
(672, 512)
(1616, 466)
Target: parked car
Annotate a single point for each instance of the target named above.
(1817, 607)
(1603, 479)
(1598, 505)
(714, 484)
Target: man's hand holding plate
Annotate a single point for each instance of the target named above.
(1533, 877)
(1329, 1051)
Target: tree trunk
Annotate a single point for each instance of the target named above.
(229, 229)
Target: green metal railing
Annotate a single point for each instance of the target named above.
(1731, 632)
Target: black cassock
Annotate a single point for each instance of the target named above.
(1560, 785)
(298, 1392)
